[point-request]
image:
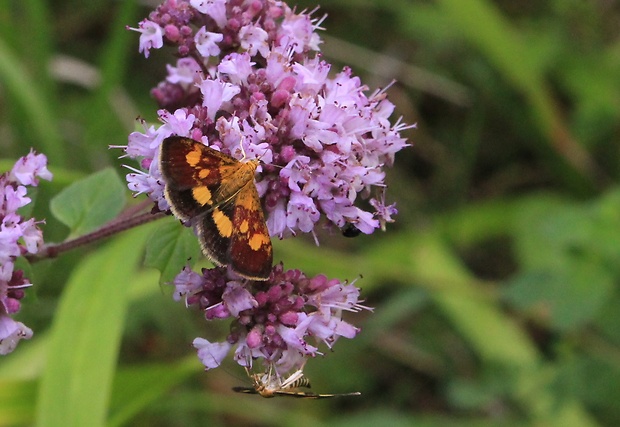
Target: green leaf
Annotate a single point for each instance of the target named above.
(107, 115)
(17, 402)
(570, 296)
(85, 337)
(605, 239)
(26, 92)
(137, 387)
(492, 334)
(545, 229)
(90, 202)
(591, 379)
(566, 251)
(395, 309)
(608, 319)
(522, 63)
(170, 247)
(27, 361)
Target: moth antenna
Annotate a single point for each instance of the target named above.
(277, 166)
(242, 150)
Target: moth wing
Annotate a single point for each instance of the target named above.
(214, 230)
(235, 233)
(191, 174)
(183, 162)
(217, 193)
(250, 249)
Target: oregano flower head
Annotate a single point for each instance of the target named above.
(18, 236)
(281, 321)
(249, 82)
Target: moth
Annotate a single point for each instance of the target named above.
(270, 385)
(216, 194)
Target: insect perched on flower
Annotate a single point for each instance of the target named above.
(216, 193)
(270, 384)
(350, 230)
(249, 75)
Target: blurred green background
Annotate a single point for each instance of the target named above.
(495, 292)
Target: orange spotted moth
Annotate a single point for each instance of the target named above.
(216, 193)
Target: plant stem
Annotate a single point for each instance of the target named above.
(114, 227)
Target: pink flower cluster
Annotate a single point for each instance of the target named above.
(248, 81)
(273, 322)
(17, 237)
(246, 84)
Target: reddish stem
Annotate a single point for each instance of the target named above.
(114, 227)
